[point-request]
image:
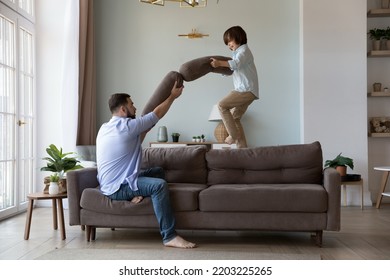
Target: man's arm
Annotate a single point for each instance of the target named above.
(163, 108)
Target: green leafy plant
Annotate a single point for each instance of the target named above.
(376, 33)
(54, 178)
(386, 33)
(339, 161)
(60, 162)
(175, 134)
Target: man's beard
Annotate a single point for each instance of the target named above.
(129, 115)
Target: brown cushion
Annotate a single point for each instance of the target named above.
(181, 164)
(199, 67)
(189, 71)
(163, 91)
(184, 197)
(301, 163)
(264, 198)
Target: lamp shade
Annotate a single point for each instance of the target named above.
(214, 114)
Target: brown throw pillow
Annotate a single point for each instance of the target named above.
(163, 91)
(189, 71)
(199, 67)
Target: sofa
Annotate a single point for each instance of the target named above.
(274, 188)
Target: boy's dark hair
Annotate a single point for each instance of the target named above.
(235, 33)
(116, 100)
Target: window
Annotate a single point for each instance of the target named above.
(17, 99)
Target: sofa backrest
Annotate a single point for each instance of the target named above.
(301, 163)
(181, 164)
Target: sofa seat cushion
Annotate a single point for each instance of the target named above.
(264, 198)
(94, 200)
(184, 197)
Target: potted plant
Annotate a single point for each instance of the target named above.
(376, 35)
(59, 163)
(175, 137)
(386, 36)
(53, 187)
(340, 163)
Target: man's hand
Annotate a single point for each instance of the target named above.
(176, 91)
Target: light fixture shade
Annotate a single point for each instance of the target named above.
(214, 114)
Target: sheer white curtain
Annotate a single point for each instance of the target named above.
(70, 73)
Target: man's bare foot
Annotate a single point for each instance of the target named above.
(229, 140)
(179, 242)
(137, 199)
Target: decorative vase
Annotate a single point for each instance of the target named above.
(162, 135)
(53, 188)
(377, 87)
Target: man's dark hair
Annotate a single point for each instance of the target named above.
(116, 100)
(235, 33)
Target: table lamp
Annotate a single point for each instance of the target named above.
(220, 131)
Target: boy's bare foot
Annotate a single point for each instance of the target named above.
(229, 140)
(179, 242)
(137, 199)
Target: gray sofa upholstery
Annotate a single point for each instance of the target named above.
(276, 188)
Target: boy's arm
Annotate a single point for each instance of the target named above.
(219, 63)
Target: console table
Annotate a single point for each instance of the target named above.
(209, 145)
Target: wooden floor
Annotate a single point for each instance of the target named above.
(365, 235)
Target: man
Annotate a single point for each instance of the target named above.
(119, 154)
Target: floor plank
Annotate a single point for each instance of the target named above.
(364, 235)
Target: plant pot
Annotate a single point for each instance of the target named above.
(376, 45)
(175, 138)
(342, 170)
(377, 87)
(62, 186)
(54, 188)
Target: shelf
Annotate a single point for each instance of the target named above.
(378, 13)
(378, 94)
(385, 53)
(379, 135)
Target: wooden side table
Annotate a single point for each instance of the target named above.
(56, 199)
(385, 176)
(359, 183)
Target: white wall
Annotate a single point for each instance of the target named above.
(307, 79)
(137, 45)
(335, 82)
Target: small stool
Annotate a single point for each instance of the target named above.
(42, 196)
(385, 176)
(344, 184)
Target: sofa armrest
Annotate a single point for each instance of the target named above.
(77, 181)
(332, 184)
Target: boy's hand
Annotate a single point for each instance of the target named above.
(214, 63)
